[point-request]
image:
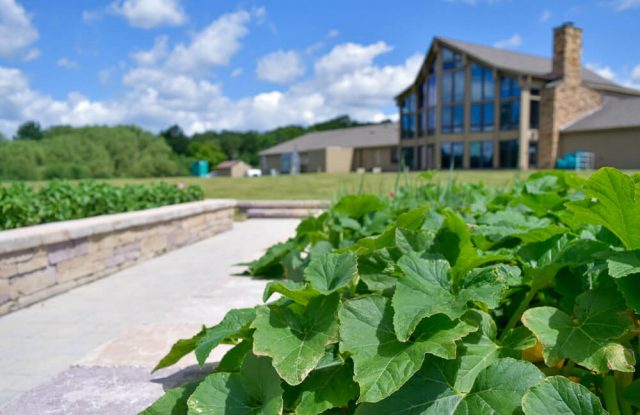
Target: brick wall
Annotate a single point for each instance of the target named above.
(41, 261)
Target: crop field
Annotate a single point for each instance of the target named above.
(441, 298)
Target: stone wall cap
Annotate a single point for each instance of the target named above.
(49, 233)
(283, 204)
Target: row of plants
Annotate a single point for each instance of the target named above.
(452, 299)
(22, 205)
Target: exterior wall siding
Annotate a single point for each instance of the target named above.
(613, 148)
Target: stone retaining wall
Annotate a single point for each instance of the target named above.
(281, 208)
(40, 261)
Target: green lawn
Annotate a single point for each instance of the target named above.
(322, 185)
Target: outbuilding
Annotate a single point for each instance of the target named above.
(232, 168)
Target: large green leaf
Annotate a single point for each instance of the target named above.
(332, 387)
(296, 338)
(558, 395)
(173, 402)
(586, 336)
(296, 291)
(632, 392)
(382, 364)
(453, 241)
(497, 390)
(230, 326)
(329, 272)
(613, 202)
(254, 390)
(357, 206)
(424, 289)
(623, 264)
(180, 349)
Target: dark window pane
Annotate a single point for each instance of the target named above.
(505, 87)
(447, 126)
(477, 73)
(432, 91)
(475, 154)
(458, 118)
(488, 117)
(534, 114)
(431, 121)
(458, 154)
(515, 114)
(394, 155)
(459, 86)
(447, 87)
(445, 154)
(515, 88)
(509, 154)
(489, 84)
(408, 157)
(422, 119)
(487, 154)
(408, 125)
(422, 93)
(450, 59)
(533, 154)
(476, 117)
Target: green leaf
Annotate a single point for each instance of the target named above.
(328, 388)
(558, 395)
(497, 390)
(232, 360)
(331, 272)
(254, 390)
(632, 392)
(230, 327)
(613, 202)
(624, 264)
(296, 291)
(599, 316)
(423, 290)
(296, 339)
(382, 364)
(180, 349)
(173, 402)
(630, 288)
(374, 270)
(357, 206)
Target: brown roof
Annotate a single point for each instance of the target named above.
(377, 135)
(614, 113)
(228, 164)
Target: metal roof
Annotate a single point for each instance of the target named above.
(614, 113)
(378, 135)
(538, 66)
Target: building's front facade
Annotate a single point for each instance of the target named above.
(478, 107)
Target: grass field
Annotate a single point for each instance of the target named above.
(323, 185)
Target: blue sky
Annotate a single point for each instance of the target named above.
(213, 64)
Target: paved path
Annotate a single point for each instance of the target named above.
(128, 319)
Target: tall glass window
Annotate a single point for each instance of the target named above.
(534, 114)
(453, 90)
(509, 154)
(483, 86)
(451, 154)
(481, 154)
(432, 100)
(509, 103)
(451, 59)
(408, 121)
(408, 155)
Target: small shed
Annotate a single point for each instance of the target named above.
(232, 168)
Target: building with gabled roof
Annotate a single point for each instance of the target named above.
(473, 106)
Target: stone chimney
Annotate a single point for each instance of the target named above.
(567, 53)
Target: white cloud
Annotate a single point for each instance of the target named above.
(622, 5)
(16, 31)
(280, 67)
(545, 15)
(236, 72)
(333, 33)
(67, 63)
(635, 73)
(147, 14)
(604, 71)
(348, 57)
(213, 46)
(512, 42)
(153, 55)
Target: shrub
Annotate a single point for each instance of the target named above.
(20, 205)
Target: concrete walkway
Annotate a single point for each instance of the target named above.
(127, 320)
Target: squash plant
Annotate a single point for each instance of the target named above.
(439, 300)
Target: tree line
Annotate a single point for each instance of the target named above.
(65, 152)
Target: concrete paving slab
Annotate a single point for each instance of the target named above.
(134, 315)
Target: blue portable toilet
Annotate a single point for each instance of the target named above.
(200, 168)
